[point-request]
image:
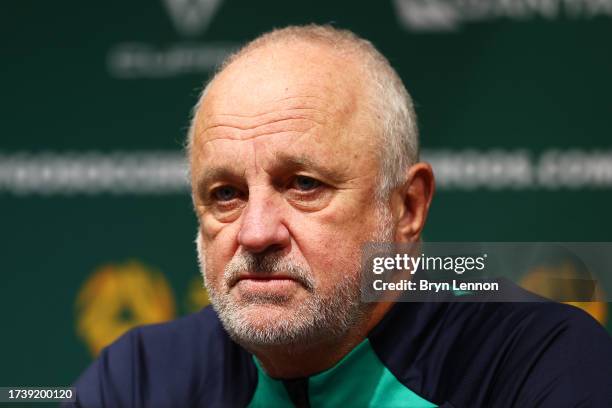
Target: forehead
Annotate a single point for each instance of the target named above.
(281, 70)
(301, 95)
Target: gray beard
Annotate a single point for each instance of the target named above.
(317, 318)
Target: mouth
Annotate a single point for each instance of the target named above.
(266, 285)
(259, 277)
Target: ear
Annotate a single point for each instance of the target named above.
(411, 204)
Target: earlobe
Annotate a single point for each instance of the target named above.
(413, 202)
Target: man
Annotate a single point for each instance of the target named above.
(302, 149)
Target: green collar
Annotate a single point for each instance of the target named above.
(359, 379)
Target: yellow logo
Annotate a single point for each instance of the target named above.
(197, 297)
(118, 297)
(560, 281)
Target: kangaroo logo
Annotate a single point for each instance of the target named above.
(191, 17)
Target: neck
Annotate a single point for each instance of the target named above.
(303, 360)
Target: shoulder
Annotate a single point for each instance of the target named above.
(536, 328)
(194, 332)
(534, 323)
(491, 354)
(170, 364)
(174, 345)
(556, 355)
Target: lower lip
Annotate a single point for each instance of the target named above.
(267, 286)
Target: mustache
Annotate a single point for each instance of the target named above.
(266, 265)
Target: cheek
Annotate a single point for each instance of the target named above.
(331, 249)
(210, 226)
(341, 229)
(218, 252)
(332, 240)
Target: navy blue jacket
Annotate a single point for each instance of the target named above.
(466, 354)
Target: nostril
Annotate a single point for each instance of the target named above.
(273, 249)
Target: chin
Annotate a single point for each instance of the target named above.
(269, 325)
(266, 316)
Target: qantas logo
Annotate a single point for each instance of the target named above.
(427, 15)
(191, 17)
(450, 15)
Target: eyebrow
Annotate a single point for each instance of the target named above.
(305, 163)
(214, 174)
(282, 163)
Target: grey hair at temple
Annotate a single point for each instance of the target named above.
(390, 102)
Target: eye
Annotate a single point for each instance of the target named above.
(224, 193)
(305, 183)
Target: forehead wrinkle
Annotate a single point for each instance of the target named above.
(288, 133)
(254, 121)
(229, 125)
(276, 116)
(296, 102)
(281, 126)
(254, 144)
(222, 109)
(320, 104)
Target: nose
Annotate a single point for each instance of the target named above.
(262, 228)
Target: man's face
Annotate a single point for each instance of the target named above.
(284, 170)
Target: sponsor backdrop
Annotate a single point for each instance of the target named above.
(97, 229)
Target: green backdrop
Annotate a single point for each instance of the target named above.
(514, 106)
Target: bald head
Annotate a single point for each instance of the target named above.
(284, 65)
(281, 74)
